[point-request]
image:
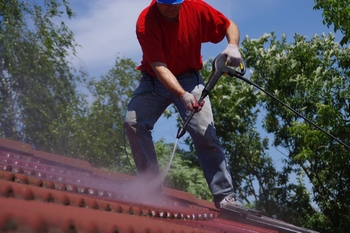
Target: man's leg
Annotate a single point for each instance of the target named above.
(144, 110)
(208, 147)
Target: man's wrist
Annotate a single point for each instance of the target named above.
(181, 94)
(233, 44)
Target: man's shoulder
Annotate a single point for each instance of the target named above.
(147, 14)
(147, 10)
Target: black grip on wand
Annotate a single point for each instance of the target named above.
(182, 130)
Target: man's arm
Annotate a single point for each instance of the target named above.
(232, 50)
(167, 78)
(232, 34)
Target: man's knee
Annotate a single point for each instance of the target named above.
(130, 119)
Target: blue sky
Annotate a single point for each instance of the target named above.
(106, 29)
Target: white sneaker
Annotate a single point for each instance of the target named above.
(229, 199)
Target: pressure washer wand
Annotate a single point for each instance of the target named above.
(219, 68)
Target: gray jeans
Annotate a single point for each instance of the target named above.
(149, 101)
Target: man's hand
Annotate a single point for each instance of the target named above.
(191, 102)
(233, 55)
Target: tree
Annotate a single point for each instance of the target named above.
(313, 78)
(37, 85)
(338, 14)
(100, 137)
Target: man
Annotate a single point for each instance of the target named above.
(170, 33)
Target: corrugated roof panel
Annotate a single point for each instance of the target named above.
(18, 190)
(24, 216)
(42, 192)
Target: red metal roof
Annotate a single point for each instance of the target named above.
(42, 192)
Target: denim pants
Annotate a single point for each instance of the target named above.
(149, 101)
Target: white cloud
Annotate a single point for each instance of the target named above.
(247, 8)
(105, 29)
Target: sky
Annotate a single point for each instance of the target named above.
(105, 29)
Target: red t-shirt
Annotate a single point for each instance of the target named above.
(178, 44)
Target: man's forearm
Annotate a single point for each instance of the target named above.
(232, 34)
(165, 76)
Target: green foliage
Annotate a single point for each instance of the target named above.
(336, 12)
(37, 85)
(101, 135)
(182, 174)
(312, 78)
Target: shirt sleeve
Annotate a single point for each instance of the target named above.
(150, 39)
(214, 23)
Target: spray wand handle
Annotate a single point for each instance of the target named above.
(219, 68)
(182, 130)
